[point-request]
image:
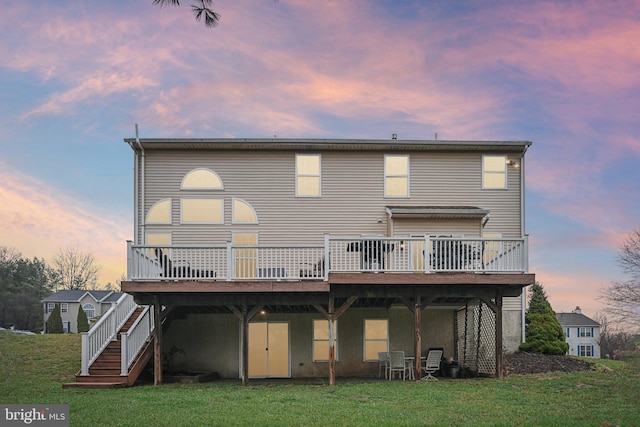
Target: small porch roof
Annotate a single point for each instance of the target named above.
(456, 212)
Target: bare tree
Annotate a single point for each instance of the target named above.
(75, 269)
(202, 8)
(622, 298)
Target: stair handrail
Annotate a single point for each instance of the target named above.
(96, 340)
(135, 338)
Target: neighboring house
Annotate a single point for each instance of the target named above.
(308, 257)
(583, 333)
(95, 304)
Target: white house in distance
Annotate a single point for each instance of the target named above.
(290, 258)
(94, 302)
(583, 333)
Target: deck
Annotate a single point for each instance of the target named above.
(409, 257)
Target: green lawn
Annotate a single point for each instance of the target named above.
(33, 368)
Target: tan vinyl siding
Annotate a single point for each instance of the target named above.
(352, 201)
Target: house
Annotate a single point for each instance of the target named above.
(283, 258)
(94, 302)
(583, 333)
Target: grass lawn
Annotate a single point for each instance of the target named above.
(33, 368)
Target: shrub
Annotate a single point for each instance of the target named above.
(54, 323)
(83, 322)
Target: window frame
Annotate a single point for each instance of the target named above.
(486, 173)
(156, 204)
(365, 340)
(248, 205)
(406, 176)
(186, 175)
(585, 332)
(588, 348)
(64, 307)
(299, 175)
(93, 310)
(216, 199)
(323, 340)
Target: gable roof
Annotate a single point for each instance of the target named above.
(75, 295)
(575, 319)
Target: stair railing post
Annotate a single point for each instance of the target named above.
(84, 369)
(124, 359)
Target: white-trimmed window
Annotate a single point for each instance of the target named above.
(160, 212)
(66, 327)
(50, 306)
(376, 338)
(396, 176)
(321, 340)
(585, 332)
(89, 310)
(64, 307)
(308, 175)
(201, 179)
(202, 211)
(585, 350)
(243, 212)
(494, 172)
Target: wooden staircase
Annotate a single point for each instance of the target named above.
(105, 371)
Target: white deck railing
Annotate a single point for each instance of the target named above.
(424, 254)
(135, 338)
(104, 331)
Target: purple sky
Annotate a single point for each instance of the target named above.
(76, 75)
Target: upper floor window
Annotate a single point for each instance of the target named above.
(308, 177)
(243, 212)
(585, 332)
(160, 212)
(202, 211)
(201, 179)
(64, 307)
(321, 340)
(494, 172)
(396, 176)
(376, 338)
(50, 307)
(89, 310)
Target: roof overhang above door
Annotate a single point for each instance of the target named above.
(438, 212)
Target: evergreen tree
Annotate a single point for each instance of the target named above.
(54, 324)
(544, 333)
(83, 322)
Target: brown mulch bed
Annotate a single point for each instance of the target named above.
(535, 363)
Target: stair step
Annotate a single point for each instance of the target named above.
(95, 385)
(101, 379)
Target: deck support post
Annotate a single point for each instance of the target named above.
(332, 343)
(417, 341)
(499, 358)
(157, 342)
(332, 315)
(245, 345)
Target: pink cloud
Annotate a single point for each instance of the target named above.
(566, 290)
(39, 220)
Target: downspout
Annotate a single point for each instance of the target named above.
(138, 203)
(523, 232)
(140, 236)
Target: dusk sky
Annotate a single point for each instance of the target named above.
(75, 77)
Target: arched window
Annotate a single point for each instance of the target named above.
(243, 212)
(160, 212)
(201, 179)
(89, 310)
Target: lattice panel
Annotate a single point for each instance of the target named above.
(476, 325)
